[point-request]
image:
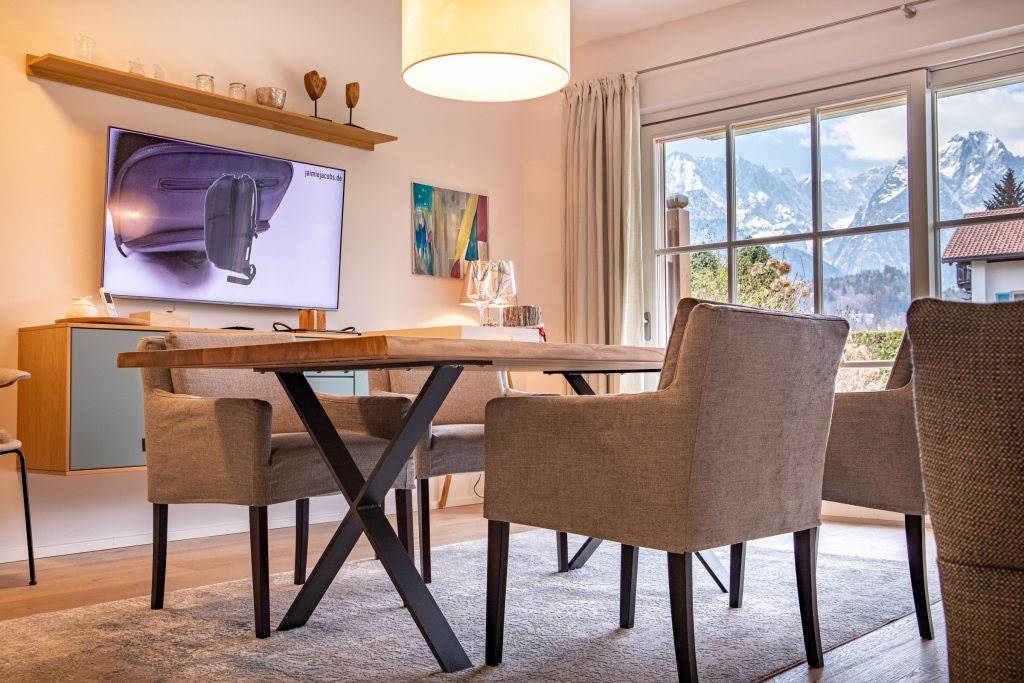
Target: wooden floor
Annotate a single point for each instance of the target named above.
(892, 653)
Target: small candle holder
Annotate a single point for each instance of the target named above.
(204, 82)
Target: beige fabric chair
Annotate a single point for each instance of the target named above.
(232, 436)
(969, 400)
(682, 469)
(8, 444)
(456, 441)
(873, 461)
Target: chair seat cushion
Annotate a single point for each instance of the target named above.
(8, 444)
(297, 470)
(454, 449)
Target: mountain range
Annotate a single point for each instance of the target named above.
(773, 202)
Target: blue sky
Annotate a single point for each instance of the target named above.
(849, 144)
(997, 110)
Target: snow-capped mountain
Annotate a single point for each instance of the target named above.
(968, 169)
(774, 202)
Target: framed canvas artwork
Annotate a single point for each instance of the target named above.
(449, 228)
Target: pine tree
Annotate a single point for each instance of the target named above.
(1007, 193)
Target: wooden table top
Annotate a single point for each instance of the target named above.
(383, 351)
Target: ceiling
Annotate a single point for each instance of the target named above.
(594, 20)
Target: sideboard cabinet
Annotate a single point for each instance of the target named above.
(81, 414)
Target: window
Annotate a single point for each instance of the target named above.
(979, 176)
(806, 210)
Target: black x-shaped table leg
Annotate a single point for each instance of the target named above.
(366, 512)
(718, 572)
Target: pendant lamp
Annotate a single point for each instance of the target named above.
(485, 50)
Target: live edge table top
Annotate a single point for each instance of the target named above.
(382, 351)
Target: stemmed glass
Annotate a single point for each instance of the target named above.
(504, 287)
(480, 286)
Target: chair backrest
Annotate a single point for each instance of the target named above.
(969, 401)
(232, 383)
(903, 367)
(756, 404)
(464, 405)
(675, 341)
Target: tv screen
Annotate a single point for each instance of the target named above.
(192, 222)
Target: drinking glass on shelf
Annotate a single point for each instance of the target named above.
(480, 286)
(204, 82)
(504, 288)
(83, 48)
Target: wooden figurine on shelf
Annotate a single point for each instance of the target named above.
(315, 86)
(351, 100)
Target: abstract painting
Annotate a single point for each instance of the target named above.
(449, 228)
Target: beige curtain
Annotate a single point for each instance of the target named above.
(601, 153)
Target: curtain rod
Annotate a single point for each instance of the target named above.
(908, 8)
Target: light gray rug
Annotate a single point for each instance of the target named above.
(560, 627)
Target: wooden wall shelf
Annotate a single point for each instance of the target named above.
(85, 75)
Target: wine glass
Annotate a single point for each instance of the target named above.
(504, 288)
(480, 287)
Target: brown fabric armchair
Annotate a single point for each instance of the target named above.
(730, 448)
(455, 443)
(231, 436)
(873, 461)
(969, 400)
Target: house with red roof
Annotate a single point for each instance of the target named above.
(989, 257)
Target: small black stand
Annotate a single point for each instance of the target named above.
(321, 117)
(350, 118)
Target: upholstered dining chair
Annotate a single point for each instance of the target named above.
(8, 444)
(682, 469)
(969, 403)
(455, 444)
(232, 436)
(873, 460)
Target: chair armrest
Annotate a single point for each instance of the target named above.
(9, 376)
(204, 449)
(380, 415)
(872, 459)
(580, 463)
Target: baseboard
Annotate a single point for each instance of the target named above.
(20, 554)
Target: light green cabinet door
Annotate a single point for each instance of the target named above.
(106, 401)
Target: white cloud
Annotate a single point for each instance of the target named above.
(999, 111)
(875, 136)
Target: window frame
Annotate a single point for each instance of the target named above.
(914, 84)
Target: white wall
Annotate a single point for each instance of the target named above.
(1000, 277)
(52, 185)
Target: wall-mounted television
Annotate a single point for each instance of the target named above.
(192, 222)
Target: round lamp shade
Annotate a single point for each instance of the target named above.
(485, 51)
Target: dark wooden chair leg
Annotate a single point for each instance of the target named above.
(28, 519)
(424, 487)
(680, 596)
(156, 590)
(562, 543)
(627, 585)
(497, 579)
(301, 539)
(805, 545)
(917, 554)
(737, 562)
(403, 511)
(260, 569)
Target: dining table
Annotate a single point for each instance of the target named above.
(446, 359)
